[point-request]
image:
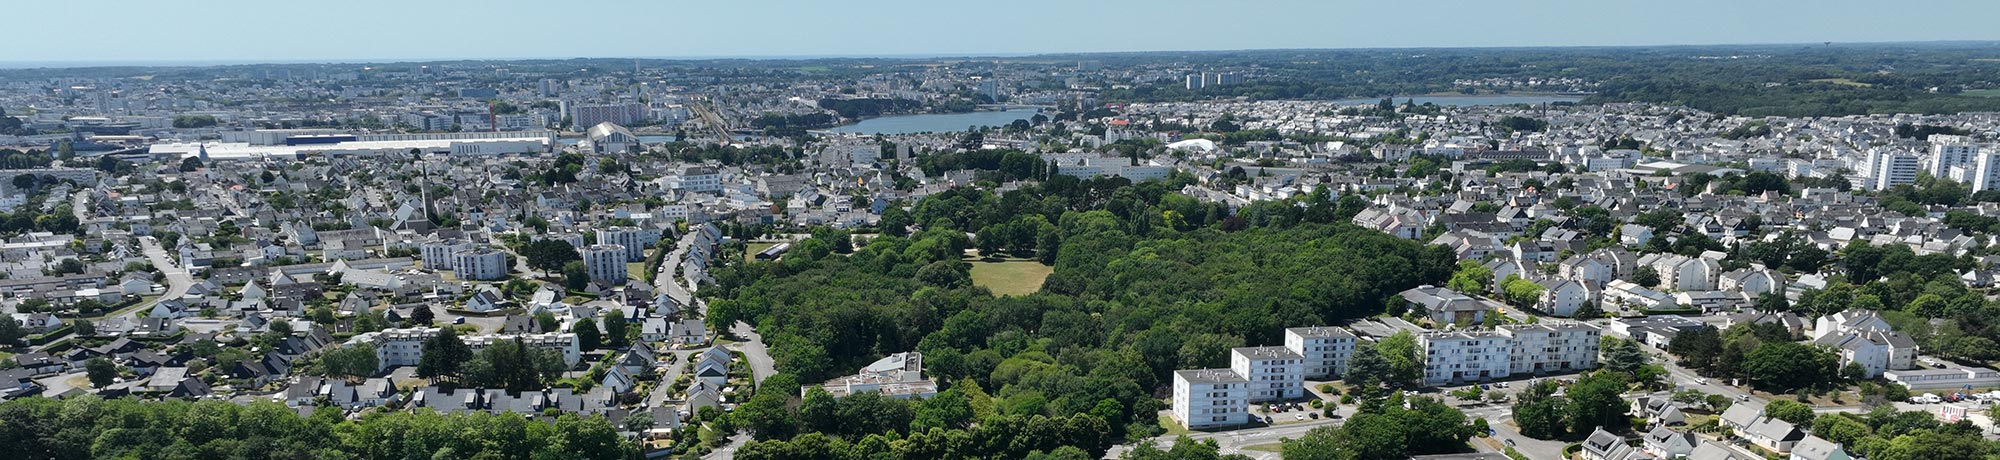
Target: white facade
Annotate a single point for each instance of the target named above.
(1323, 350)
(1553, 347)
(606, 262)
(1273, 373)
(439, 255)
(1889, 169)
(1464, 357)
(701, 180)
(1209, 398)
(1984, 170)
(480, 264)
(1948, 151)
(634, 240)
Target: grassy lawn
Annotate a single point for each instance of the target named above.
(751, 249)
(143, 300)
(636, 272)
(1982, 93)
(1275, 447)
(1173, 428)
(1010, 277)
(5, 355)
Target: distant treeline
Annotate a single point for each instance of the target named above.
(864, 108)
(1769, 80)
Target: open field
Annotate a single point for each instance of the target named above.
(1843, 81)
(1982, 93)
(1010, 276)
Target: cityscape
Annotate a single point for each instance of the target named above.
(1722, 246)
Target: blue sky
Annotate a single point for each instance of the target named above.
(349, 30)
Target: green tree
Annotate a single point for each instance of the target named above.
(1786, 366)
(443, 354)
(587, 336)
(1521, 292)
(1622, 356)
(1697, 348)
(614, 329)
(576, 277)
(547, 321)
(1471, 278)
(1595, 401)
(1646, 276)
(10, 332)
(101, 371)
(353, 361)
(1367, 370)
(950, 409)
(1406, 362)
(548, 255)
(1791, 411)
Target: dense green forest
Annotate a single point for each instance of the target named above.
(92, 428)
(1145, 281)
(1758, 80)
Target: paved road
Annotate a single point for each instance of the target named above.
(728, 451)
(79, 203)
(754, 351)
(178, 279)
(664, 281)
(1684, 379)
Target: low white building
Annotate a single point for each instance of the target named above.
(897, 376)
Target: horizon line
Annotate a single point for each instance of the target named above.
(8, 65)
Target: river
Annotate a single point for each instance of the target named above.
(934, 122)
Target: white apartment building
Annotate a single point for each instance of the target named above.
(1983, 173)
(1323, 349)
(606, 262)
(405, 346)
(1552, 346)
(1452, 357)
(481, 263)
(701, 179)
(1272, 373)
(1209, 398)
(1887, 169)
(1556, 347)
(440, 255)
(634, 240)
(1948, 151)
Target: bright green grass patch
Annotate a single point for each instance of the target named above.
(1010, 277)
